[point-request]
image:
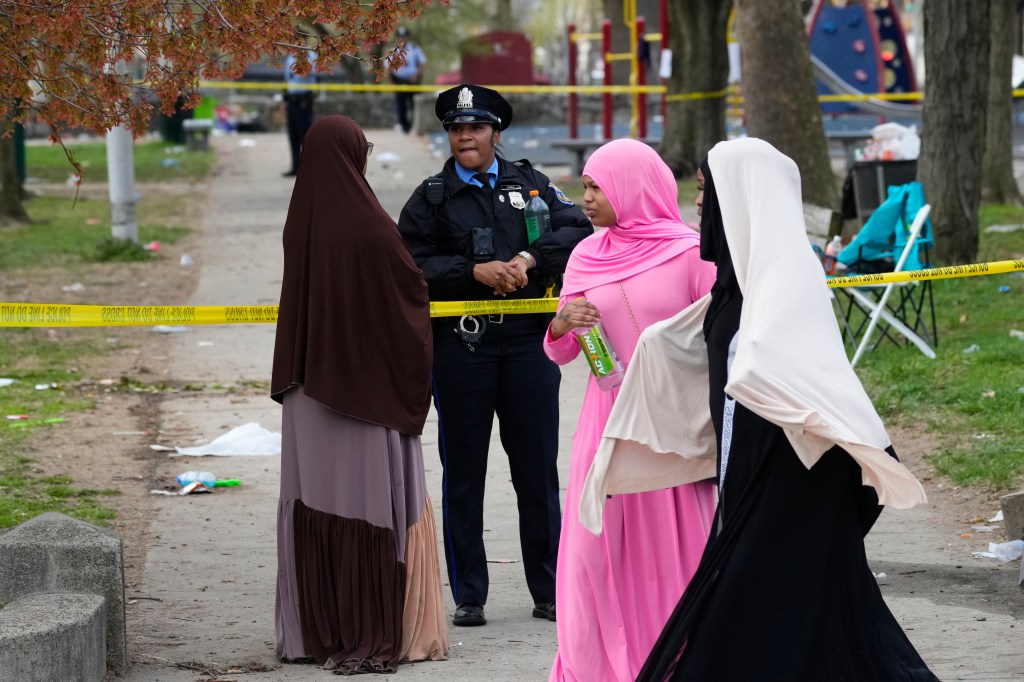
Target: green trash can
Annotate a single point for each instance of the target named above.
(172, 128)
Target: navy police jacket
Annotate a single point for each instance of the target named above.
(439, 230)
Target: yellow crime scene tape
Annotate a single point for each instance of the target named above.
(948, 272)
(395, 87)
(557, 89)
(58, 315)
(688, 96)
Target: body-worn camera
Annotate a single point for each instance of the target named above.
(483, 243)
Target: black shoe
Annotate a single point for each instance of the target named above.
(289, 174)
(469, 615)
(544, 610)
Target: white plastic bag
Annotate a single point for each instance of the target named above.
(248, 439)
(1007, 551)
(895, 142)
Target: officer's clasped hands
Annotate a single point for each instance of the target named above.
(504, 277)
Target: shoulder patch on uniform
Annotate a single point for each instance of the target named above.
(561, 195)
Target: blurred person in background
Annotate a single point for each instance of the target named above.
(298, 106)
(410, 73)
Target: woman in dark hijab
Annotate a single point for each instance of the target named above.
(783, 590)
(359, 586)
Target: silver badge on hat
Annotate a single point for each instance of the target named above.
(465, 99)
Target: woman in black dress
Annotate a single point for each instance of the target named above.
(783, 591)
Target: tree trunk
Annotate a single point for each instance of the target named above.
(779, 94)
(503, 16)
(997, 182)
(11, 208)
(956, 50)
(354, 71)
(700, 63)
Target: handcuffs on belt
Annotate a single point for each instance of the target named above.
(471, 334)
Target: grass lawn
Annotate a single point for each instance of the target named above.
(73, 234)
(155, 161)
(29, 357)
(78, 231)
(973, 401)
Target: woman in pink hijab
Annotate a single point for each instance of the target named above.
(614, 592)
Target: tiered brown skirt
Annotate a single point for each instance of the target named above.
(358, 579)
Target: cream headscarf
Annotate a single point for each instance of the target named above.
(790, 365)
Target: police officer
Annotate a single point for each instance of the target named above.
(466, 230)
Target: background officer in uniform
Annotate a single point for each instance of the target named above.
(298, 107)
(466, 230)
(409, 73)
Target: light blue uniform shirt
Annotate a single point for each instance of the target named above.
(414, 59)
(297, 83)
(466, 175)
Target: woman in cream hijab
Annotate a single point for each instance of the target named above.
(783, 591)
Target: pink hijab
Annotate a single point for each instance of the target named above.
(649, 231)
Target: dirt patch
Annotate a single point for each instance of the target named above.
(107, 447)
(958, 507)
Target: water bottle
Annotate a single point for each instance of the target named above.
(834, 246)
(207, 479)
(601, 356)
(538, 216)
(832, 250)
(204, 477)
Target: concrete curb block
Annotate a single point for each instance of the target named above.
(47, 637)
(1013, 515)
(53, 553)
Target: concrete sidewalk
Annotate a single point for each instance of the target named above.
(213, 561)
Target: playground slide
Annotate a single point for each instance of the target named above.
(836, 85)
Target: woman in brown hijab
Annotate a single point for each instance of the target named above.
(359, 584)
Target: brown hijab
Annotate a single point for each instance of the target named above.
(353, 326)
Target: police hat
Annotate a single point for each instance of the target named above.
(472, 103)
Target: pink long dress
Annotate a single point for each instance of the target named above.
(615, 592)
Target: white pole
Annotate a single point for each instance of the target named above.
(121, 178)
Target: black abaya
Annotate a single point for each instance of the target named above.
(784, 591)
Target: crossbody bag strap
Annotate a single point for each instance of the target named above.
(629, 309)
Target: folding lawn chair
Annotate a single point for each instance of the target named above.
(897, 237)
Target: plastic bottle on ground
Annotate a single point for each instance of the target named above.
(204, 477)
(601, 356)
(538, 216)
